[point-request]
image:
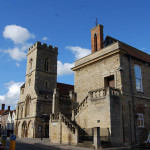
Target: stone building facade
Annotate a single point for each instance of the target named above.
(112, 90)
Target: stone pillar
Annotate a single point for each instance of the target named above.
(73, 117)
(76, 136)
(55, 104)
(72, 96)
(97, 140)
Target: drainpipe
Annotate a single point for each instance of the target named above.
(132, 97)
(130, 122)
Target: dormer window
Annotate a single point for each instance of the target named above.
(138, 78)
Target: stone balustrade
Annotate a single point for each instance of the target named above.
(60, 117)
(69, 124)
(114, 92)
(55, 117)
(97, 93)
(81, 105)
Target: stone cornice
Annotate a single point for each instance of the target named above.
(105, 52)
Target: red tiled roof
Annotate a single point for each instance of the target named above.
(64, 88)
(3, 111)
(132, 51)
(137, 53)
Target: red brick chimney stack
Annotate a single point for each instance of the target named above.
(97, 38)
(3, 107)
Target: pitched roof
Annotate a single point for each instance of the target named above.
(64, 88)
(3, 111)
(132, 51)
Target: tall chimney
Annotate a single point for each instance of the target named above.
(3, 107)
(8, 107)
(97, 38)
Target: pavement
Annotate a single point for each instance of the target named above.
(45, 144)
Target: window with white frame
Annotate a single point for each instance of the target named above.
(138, 78)
(140, 120)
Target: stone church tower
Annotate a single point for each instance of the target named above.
(36, 93)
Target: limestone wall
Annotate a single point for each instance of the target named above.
(59, 133)
(92, 76)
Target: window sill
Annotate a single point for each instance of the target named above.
(140, 127)
(140, 92)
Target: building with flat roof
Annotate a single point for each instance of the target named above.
(112, 88)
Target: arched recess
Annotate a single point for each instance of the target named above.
(24, 133)
(17, 128)
(21, 114)
(30, 129)
(27, 106)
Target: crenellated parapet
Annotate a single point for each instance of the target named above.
(39, 45)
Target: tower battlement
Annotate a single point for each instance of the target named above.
(44, 46)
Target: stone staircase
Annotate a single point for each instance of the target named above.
(84, 138)
(79, 108)
(88, 144)
(66, 121)
(92, 95)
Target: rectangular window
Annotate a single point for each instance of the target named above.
(140, 120)
(138, 78)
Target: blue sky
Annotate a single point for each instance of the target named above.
(65, 24)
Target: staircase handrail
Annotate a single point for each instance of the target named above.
(81, 105)
(69, 124)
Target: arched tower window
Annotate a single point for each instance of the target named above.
(95, 42)
(21, 112)
(46, 66)
(30, 66)
(27, 106)
(46, 84)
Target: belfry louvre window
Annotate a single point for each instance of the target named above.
(46, 67)
(138, 78)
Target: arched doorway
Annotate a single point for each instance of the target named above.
(30, 129)
(24, 130)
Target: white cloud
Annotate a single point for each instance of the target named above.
(64, 69)
(17, 64)
(25, 46)
(44, 38)
(17, 34)
(12, 96)
(16, 53)
(79, 51)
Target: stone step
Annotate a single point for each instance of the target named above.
(87, 144)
